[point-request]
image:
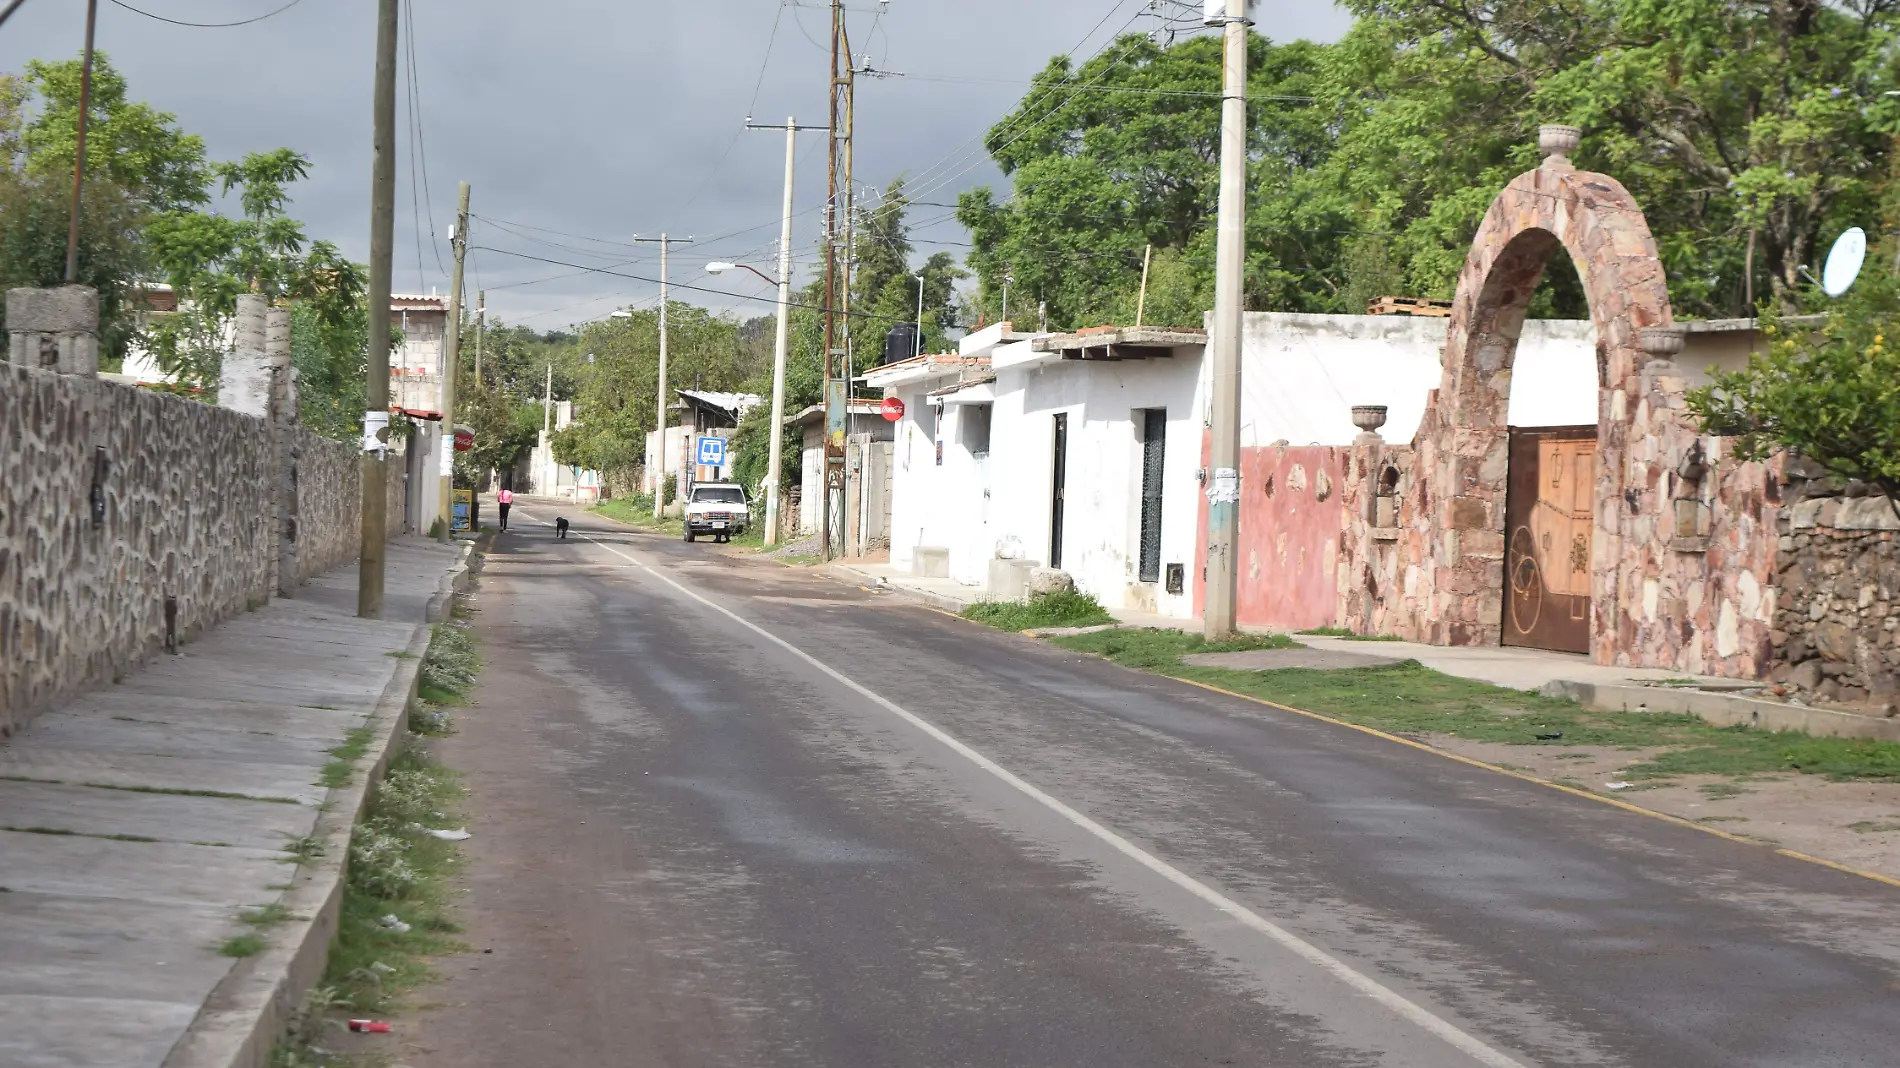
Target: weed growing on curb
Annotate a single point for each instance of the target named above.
(243, 945)
(355, 743)
(1060, 608)
(449, 667)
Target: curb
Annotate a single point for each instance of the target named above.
(939, 601)
(250, 1009)
(1725, 710)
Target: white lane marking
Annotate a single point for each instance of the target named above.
(1339, 969)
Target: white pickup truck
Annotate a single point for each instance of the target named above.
(716, 509)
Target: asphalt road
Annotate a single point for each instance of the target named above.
(728, 813)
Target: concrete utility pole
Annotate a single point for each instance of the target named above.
(451, 364)
(481, 326)
(382, 232)
(1223, 489)
(782, 346)
(659, 415)
(79, 147)
(547, 428)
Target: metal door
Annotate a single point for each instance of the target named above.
(1154, 435)
(1059, 482)
(1549, 517)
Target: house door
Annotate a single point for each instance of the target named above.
(1059, 482)
(1154, 436)
(1549, 516)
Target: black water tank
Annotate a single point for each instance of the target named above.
(900, 343)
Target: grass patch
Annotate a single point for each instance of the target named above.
(1062, 608)
(798, 559)
(344, 757)
(1722, 791)
(304, 849)
(248, 944)
(63, 832)
(266, 916)
(397, 871)
(400, 654)
(1409, 699)
(450, 664)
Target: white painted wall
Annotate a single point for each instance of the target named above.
(1102, 513)
(927, 499)
(1303, 373)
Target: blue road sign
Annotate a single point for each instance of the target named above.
(712, 452)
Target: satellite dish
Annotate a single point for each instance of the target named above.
(1843, 262)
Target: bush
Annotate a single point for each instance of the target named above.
(1062, 608)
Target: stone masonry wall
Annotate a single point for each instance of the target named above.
(184, 535)
(1837, 619)
(182, 519)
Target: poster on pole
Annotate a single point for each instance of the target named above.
(836, 409)
(464, 514)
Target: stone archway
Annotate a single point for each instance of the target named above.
(1463, 443)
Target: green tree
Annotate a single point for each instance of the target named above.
(133, 145)
(1734, 123)
(1122, 152)
(1831, 395)
(210, 260)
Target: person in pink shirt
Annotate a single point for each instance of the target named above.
(504, 497)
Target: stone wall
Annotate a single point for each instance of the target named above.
(1837, 617)
(127, 518)
(131, 519)
(1379, 557)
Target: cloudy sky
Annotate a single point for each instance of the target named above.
(581, 123)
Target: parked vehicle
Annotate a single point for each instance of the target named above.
(716, 509)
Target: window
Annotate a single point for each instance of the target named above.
(718, 495)
(1154, 437)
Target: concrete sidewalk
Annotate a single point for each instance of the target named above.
(953, 596)
(137, 823)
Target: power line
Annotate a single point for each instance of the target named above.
(197, 25)
(422, 143)
(692, 288)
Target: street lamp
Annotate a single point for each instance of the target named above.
(773, 457)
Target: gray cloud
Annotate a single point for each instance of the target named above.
(597, 119)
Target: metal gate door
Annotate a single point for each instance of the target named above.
(1060, 482)
(1548, 522)
(1154, 435)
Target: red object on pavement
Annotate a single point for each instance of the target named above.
(374, 1027)
(893, 408)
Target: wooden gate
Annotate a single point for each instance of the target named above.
(1548, 521)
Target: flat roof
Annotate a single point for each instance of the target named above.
(1120, 342)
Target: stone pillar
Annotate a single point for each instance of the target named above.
(283, 423)
(244, 382)
(54, 329)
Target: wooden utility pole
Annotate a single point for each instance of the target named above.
(382, 232)
(659, 415)
(79, 147)
(451, 365)
(837, 273)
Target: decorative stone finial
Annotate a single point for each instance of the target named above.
(1558, 142)
(1368, 418)
(1662, 342)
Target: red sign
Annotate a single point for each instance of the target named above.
(893, 409)
(464, 440)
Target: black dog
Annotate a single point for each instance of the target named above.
(560, 526)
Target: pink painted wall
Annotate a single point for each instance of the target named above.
(1291, 515)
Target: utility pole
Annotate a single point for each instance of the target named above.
(659, 415)
(382, 232)
(1223, 491)
(837, 275)
(917, 343)
(79, 147)
(481, 324)
(782, 345)
(451, 365)
(547, 428)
